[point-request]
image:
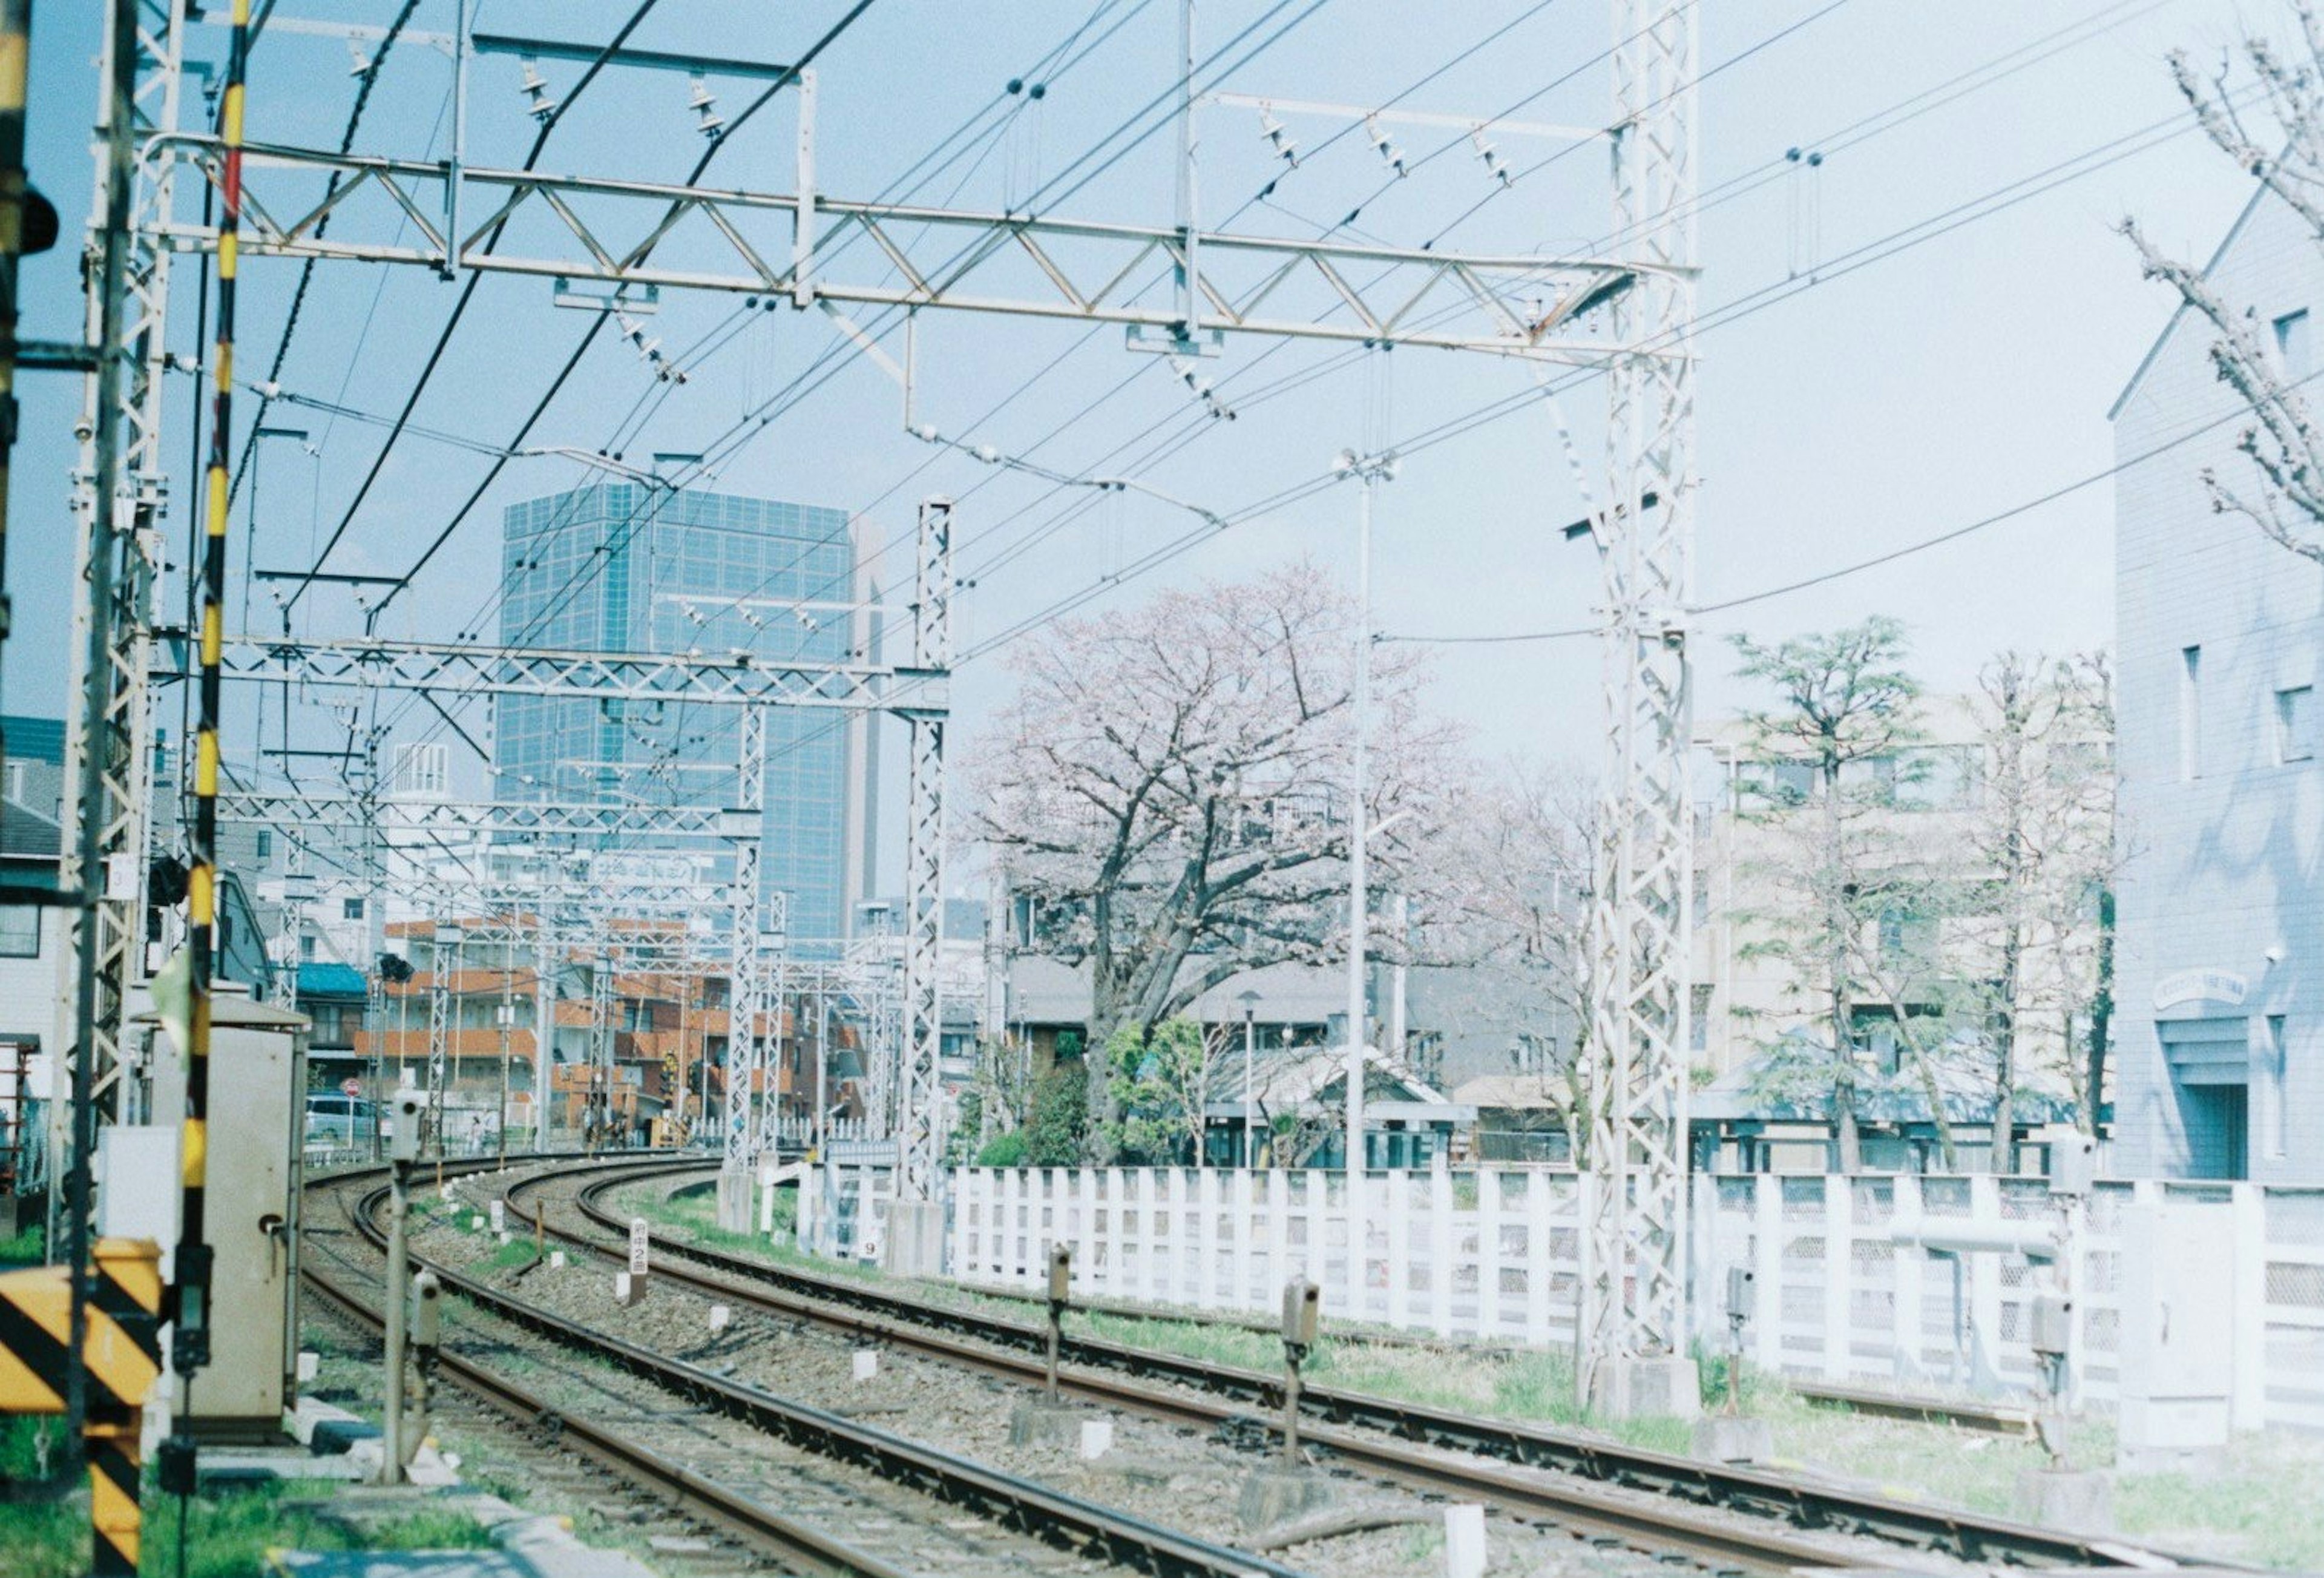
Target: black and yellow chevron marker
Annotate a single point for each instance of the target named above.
(122, 1356)
(116, 1519)
(123, 1349)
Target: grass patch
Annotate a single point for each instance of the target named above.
(28, 1246)
(517, 1251)
(228, 1533)
(22, 1436)
(2261, 1506)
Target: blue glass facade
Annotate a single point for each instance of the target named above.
(624, 567)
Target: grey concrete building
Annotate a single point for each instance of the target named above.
(2220, 982)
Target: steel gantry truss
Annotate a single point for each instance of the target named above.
(614, 233)
(1632, 1346)
(561, 908)
(500, 819)
(445, 668)
(607, 235)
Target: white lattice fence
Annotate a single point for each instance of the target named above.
(1487, 1254)
(1844, 1288)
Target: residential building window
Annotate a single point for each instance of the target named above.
(2291, 344)
(1872, 778)
(307, 947)
(1937, 777)
(2190, 713)
(265, 844)
(351, 909)
(2295, 723)
(2278, 1068)
(1698, 1030)
(20, 932)
(1781, 783)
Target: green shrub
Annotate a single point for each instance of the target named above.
(1002, 1151)
(1060, 1114)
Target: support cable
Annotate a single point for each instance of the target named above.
(468, 294)
(307, 269)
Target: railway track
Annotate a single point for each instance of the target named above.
(1717, 1514)
(1048, 1529)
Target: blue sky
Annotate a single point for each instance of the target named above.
(1858, 409)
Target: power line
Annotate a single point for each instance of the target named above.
(1994, 201)
(467, 294)
(1051, 59)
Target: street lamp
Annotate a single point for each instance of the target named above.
(1249, 1000)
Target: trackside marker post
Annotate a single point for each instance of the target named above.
(1061, 1285)
(1302, 1302)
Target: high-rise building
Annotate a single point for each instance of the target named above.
(639, 567)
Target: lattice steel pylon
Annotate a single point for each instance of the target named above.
(1632, 1345)
(119, 486)
(440, 1024)
(919, 1081)
(746, 996)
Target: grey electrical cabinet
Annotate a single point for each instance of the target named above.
(257, 1113)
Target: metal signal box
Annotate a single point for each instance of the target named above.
(1302, 1305)
(255, 1123)
(2051, 1324)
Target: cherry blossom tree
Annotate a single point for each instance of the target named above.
(1168, 788)
(1500, 888)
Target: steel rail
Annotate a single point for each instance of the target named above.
(817, 1552)
(801, 1545)
(1069, 1522)
(1659, 1531)
(1801, 1506)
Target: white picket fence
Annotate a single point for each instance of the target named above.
(801, 1132)
(1494, 1255)
(1491, 1254)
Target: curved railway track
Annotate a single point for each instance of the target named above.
(1691, 1508)
(1020, 1507)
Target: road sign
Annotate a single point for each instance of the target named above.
(350, 1086)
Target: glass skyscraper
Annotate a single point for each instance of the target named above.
(637, 567)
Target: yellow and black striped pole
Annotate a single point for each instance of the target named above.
(121, 1356)
(190, 1343)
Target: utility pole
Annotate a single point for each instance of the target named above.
(1369, 471)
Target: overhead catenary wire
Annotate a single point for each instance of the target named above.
(467, 294)
(1530, 396)
(742, 432)
(1050, 60)
(1944, 223)
(1919, 545)
(369, 80)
